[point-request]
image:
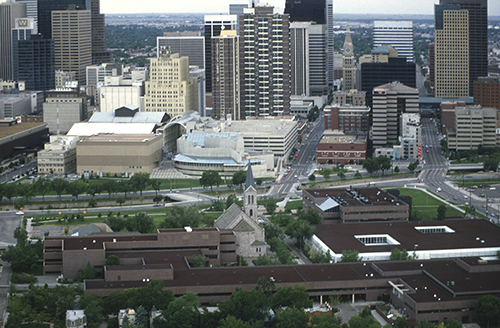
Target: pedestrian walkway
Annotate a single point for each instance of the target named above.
(168, 171)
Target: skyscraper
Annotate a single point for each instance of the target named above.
(190, 44)
(72, 35)
(478, 36)
(308, 59)
(214, 24)
(226, 76)
(451, 51)
(321, 13)
(33, 57)
(45, 8)
(349, 62)
(9, 11)
(170, 88)
(264, 62)
(398, 34)
(99, 52)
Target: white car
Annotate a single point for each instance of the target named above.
(493, 188)
(19, 213)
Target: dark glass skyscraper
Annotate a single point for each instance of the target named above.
(478, 37)
(306, 10)
(34, 63)
(45, 8)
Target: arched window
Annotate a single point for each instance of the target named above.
(251, 212)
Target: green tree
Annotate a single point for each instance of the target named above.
(325, 320)
(155, 184)
(140, 222)
(292, 318)
(272, 231)
(76, 188)
(296, 297)
(357, 175)
(364, 320)
(94, 189)
(491, 164)
(271, 206)
(341, 175)
(210, 178)
(246, 305)
(399, 255)
(113, 260)
(300, 230)
(350, 256)
(110, 186)
(24, 256)
(92, 202)
(120, 200)
(384, 163)
(183, 311)
(93, 310)
(141, 316)
(239, 178)
(231, 322)
(116, 223)
(312, 177)
(396, 169)
(326, 173)
(180, 216)
(197, 261)
(140, 181)
(311, 216)
(487, 309)
(86, 273)
(371, 165)
(441, 212)
(282, 251)
(59, 185)
(318, 256)
(26, 190)
(412, 166)
(10, 190)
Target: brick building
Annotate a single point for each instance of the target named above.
(341, 149)
(340, 205)
(487, 92)
(346, 118)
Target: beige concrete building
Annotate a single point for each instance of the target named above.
(72, 34)
(63, 77)
(117, 154)
(118, 91)
(452, 52)
(474, 126)
(352, 97)
(62, 108)
(58, 156)
(170, 88)
(389, 102)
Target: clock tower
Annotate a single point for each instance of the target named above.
(348, 62)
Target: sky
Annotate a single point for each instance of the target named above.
(425, 7)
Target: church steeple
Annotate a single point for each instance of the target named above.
(250, 195)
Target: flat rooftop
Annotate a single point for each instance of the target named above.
(368, 196)
(343, 139)
(7, 131)
(277, 127)
(428, 235)
(120, 138)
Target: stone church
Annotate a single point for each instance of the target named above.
(250, 236)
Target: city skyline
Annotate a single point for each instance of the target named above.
(423, 7)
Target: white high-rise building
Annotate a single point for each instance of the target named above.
(398, 34)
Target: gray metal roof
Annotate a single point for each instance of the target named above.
(199, 138)
(329, 203)
(140, 117)
(228, 217)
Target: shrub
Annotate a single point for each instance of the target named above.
(22, 278)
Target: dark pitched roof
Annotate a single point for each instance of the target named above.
(249, 181)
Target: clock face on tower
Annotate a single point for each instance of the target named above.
(348, 50)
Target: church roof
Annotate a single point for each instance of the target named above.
(243, 226)
(249, 181)
(229, 215)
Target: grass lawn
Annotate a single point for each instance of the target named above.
(426, 205)
(293, 205)
(474, 182)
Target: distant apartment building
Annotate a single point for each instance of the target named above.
(474, 126)
(170, 88)
(398, 34)
(63, 77)
(487, 92)
(214, 24)
(189, 43)
(97, 73)
(390, 101)
(264, 62)
(226, 76)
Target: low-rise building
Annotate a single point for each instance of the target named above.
(118, 153)
(58, 156)
(354, 98)
(16, 137)
(64, 107)
(339, 148)
(76, 319)
(487, 91)
(341, 205)
(349, 119)
(474, 126)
